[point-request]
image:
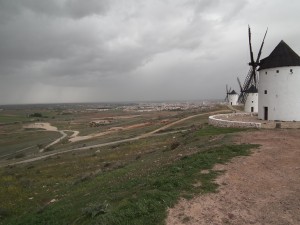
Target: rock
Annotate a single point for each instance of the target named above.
(230, 216)
(53, 200)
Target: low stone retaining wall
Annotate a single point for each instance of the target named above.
(222, 120)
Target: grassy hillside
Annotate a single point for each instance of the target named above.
(130, 183)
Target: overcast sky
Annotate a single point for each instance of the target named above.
(133, 50)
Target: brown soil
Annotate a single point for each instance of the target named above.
(45, 126)
(263, 188)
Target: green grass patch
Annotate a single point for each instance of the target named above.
(211, 130)
(31, 140)
(134, 194)
(13, 118)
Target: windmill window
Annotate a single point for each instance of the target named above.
(266, 92)
(277, 71)
(291, 70)
(266, 72)
(252, 101)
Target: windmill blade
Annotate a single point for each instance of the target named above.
(248, 80)
(251, 78)
(241, 90)
(250, 46)
(245, 96)
(241, 96)
(253, 75)
(226, 98)
(238, 79)
(262, 44)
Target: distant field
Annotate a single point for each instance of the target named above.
(13, 118)
(30, 141)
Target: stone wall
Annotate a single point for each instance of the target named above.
(225, 120)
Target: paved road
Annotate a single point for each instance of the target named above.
(113, 142)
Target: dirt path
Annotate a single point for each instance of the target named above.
(263, 188)
(75, 137)
(180, 121)
(47, 127)
(63, 136)
(110, 143)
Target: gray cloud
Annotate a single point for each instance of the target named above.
(75, 9)
(133, 50)
(78, 9)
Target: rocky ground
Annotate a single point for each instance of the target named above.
(263, 188)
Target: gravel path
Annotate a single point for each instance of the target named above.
(263, 188)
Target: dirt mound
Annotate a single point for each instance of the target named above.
(45, 126)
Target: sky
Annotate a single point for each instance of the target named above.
(130, 50)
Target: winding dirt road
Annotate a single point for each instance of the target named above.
(46, 155)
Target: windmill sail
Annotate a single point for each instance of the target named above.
(251, 78)
(227, 93)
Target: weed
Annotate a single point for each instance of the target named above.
(210, 130)
(95, 209)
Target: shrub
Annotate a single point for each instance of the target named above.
(174, 145)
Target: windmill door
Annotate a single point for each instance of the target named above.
(266, 113)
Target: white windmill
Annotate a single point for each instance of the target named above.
(231, 96)
(279, 85)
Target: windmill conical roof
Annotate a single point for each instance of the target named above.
(232, 92)
(281, 56)
(252, 89)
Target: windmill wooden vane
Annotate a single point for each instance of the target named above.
(251, 80)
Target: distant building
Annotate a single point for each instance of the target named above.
(251, 104)
(233, 98)
(279, 85)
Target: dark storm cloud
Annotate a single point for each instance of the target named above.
(100, 50)
(65, 47)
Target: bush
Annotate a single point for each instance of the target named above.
(20, 155)
(95, 209)
(36, 115)
(4, 213)
(174, 145)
